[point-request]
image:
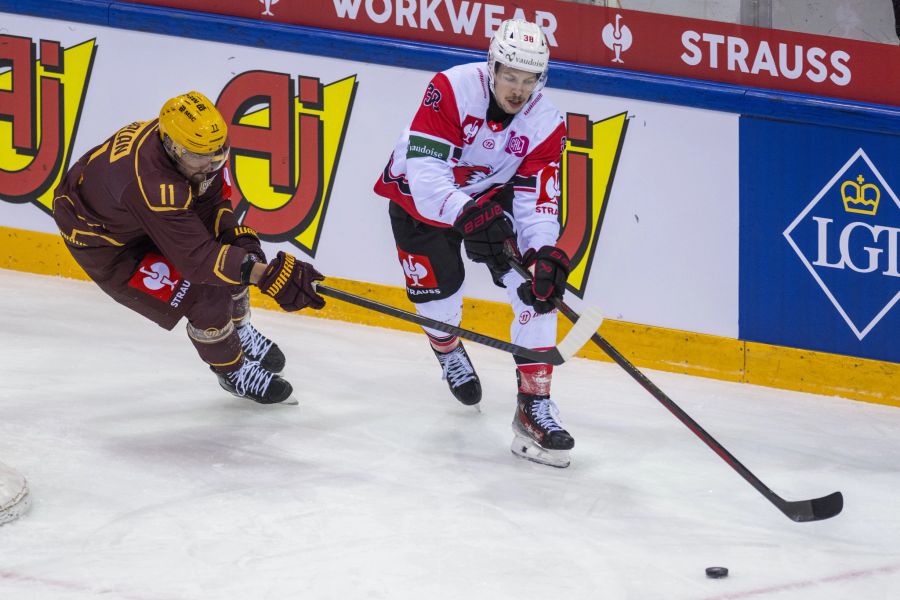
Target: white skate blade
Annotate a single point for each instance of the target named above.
(527, 448)
(586, 326)
(291, 401)
(14, 498)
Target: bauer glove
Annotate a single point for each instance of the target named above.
(290, 282)
(550, 268)
(486, 232)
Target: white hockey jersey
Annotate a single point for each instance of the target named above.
(451, 154)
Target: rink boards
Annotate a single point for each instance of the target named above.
(719, 242)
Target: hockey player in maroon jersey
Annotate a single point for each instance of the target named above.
(146, 216)
(479, 167)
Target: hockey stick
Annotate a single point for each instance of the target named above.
(577, 337)
(816, 509)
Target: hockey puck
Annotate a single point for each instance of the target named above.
(716, 572)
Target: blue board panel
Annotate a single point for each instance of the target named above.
(820, 238)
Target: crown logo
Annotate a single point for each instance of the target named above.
(863, 199)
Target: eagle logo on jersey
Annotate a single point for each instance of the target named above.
(432, 98)
(470, 127)
(470, 174)
(204, 185)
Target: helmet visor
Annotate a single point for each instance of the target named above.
(204, 163)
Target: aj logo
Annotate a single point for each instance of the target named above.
(158, 276)
(617, 38)
(285, 147)
(40, 106)
(590, 158)
(268, 5)
(848, 238)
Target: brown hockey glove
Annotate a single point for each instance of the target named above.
(486, 232)
(290, 282)
(246, 238)
(551, 269)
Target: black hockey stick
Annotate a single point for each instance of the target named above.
(799, 510)
(572, 343)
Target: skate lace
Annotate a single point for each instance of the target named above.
(254, 343)
(545, 413)
(457, 368)
(252, 378)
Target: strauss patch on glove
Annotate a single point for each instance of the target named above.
(551, 269)
(290, 282)
(485, 230)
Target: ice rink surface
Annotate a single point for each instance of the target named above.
(151, 483)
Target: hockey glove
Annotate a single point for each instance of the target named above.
(290, 282)
(486, 232)
(551, 269)
(244, 237)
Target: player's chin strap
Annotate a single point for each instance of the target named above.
(816, 509)
(571, 343)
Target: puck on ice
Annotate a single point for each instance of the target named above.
(716, 572)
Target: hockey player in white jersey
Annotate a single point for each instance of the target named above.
(479, 167)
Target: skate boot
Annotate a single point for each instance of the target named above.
(460, 375)
(260, 348)
(256, 383)
(537, 434)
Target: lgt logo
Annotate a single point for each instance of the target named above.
(848, 237)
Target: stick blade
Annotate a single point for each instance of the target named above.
(819, 509)
(585, 327)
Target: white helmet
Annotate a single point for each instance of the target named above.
(520, 45)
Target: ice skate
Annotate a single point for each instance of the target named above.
(260, 348)
(537, 434)
(460, 375)
(256, 383)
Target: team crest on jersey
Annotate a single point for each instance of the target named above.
(204, 185)
(471, 126)
(420, 277)
(469, 174)
(517, 144)
(432, 98)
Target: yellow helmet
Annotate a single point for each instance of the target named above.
(193, 122)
